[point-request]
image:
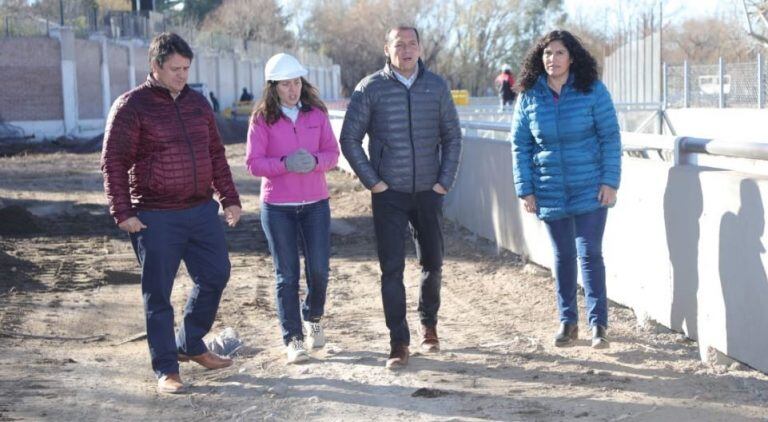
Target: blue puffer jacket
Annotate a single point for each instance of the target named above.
(563, 151)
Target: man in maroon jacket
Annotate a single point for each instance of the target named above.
(162, 161)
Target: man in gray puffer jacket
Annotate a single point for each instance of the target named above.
(413, 155)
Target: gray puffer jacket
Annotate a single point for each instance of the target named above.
(414, 134)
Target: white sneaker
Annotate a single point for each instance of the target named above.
(296, 352)
(315, 334)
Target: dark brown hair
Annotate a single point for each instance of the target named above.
(166, 44)
(268, 107)
(388, 37)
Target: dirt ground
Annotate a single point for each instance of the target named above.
(70, 303)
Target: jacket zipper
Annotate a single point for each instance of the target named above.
(298, 142)
(189, 143)
(410, 128)
(560, 142)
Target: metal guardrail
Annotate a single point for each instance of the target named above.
(750, 150)
(638, 142)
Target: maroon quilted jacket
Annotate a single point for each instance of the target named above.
(162, 154)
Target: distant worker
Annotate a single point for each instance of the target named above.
(505, 84)
(214, 102)
(246, 96)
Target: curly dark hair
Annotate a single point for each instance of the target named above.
(269, 105)
(584, 66)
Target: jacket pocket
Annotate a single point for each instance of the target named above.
(381, 160)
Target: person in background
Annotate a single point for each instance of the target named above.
(413, 156)
(291, 146)
(245, 95)
(214, 102)
(160, 175)
(567, 166)
(505, 84)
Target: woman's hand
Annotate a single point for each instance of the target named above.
(529, 203)
(606, 196)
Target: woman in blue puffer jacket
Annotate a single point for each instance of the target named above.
(567, 164)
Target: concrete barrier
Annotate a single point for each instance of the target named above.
(683, 246)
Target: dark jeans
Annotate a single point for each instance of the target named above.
(196, 236)
(582, 236)
(392, 213)
(289, 228)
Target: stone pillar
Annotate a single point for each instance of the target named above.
(258, 75)
(66, 37)
(106, 94)
(336, 84)
(217, 70)
(131, 66)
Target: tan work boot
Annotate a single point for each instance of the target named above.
(398, 356)
(429, 341)
(170, 384)
(208, 360)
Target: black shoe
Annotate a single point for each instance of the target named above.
(567, 334)
(599, 338)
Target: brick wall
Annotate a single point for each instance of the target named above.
(30, 86)
(88, 79)
(118, 70)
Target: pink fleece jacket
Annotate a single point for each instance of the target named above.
(268, 144)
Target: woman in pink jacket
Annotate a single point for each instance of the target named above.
(290, 146)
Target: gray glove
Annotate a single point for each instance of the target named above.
(300, 161)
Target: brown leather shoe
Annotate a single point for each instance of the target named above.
(429, 341)
(208, 359)
(398, 357)
(170, 384)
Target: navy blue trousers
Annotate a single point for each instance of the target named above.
(195, 236)
(289, 230)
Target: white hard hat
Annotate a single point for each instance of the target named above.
(505, 67)
(283, 66)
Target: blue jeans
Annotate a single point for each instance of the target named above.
(196, 236)
(289, 228)
(580, 235)
(393, 213)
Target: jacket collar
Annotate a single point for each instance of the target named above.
(390, 73)
(156, 86)
(541, 83)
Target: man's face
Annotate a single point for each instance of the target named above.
(403, 50)
(173, 74)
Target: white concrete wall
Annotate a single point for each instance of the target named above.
(243, 77)
(684, 245)
(228, 91)
(123, 64)
(734, 124)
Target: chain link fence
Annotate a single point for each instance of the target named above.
(742, 85)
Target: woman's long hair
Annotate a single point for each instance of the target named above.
(584, 66)
(268, 107)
